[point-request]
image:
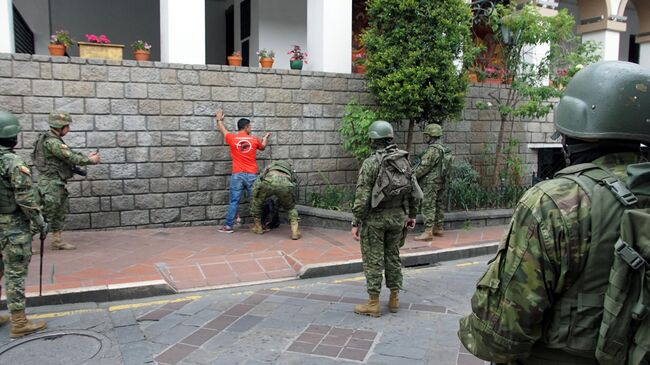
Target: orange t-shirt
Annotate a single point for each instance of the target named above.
(243, 149)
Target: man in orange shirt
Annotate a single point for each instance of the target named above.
(243, 149)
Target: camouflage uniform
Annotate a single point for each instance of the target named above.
(15, 235)
(276, 180)
(432, 183)
(539, 258)
(382, 229)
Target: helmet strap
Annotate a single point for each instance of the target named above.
(577, 151)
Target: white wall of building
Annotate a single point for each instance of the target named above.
(182, 31)
(283, 23)
(609, 41)
(6, 27)
(329, 35)
(644, 55)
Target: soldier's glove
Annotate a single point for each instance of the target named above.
(79, 171)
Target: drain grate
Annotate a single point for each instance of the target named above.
(55, 348)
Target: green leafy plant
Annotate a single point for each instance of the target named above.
(140, 45)
(519, 29)
(412, 52)
(333, 197)
(61, 37)
(354, 129)
(263, 53)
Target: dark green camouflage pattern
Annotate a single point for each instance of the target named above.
(15, 236)
(280, 186)
(541, 255)
(432, 182)
(59, 161)
(382, 229)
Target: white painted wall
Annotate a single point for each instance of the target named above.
(329, 35)
(609, 42)
(6, 27)
(182, 31)
(283, 23)
(644, 55)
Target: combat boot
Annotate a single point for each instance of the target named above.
(20, 326)
(295, 233)
(371, 308)
(257, 226)
(393, 301)
(3, 319)
(438, 232)
(58, 244)
(427, 235)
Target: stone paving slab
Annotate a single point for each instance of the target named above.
(123, 264)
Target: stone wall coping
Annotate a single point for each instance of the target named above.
(165, 65)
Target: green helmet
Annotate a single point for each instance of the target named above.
(606, 100)
(9, 126)
(433, 130)
(282, 165)
(380, 129)
(59, 119)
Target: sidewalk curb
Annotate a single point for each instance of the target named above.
(408, 260)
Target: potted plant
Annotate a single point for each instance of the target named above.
(235, 59)
(58, 43)
(358, 61)
(298, 57)
(141, 50)
(266, 58)
(100, 47)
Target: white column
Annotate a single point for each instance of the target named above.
(609, 43)
(7, 27)
(329, 35)
(644, 54)
(182, 31)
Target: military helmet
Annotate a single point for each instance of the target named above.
(433, 130)
(282, 165)
(9, 126)
(606, 100)
(59, 119)
(380, 129)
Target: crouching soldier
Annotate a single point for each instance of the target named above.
(18, 208)
(278, 180)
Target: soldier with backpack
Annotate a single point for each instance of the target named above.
(385, 205)
(431, 173)
(570, 283)
(278, 179)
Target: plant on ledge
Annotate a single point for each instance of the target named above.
(91, 38)
(266, 57)
(59, 42)
(141, 50)
(99, 46)
(235, 59)
(298, 57)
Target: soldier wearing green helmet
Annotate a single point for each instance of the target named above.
(57, 163)
(567, 284)
(385, 205)
(18, 209)
(431, 172)
(279, 180)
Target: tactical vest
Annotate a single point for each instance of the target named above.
(7, 197)
(46, 163)
(573, 327)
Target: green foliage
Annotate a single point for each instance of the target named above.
(332, 198)
(354, 130)
(412, 50)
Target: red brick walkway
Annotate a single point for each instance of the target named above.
(200, 257)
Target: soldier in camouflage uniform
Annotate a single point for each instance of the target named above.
(516, 316)
(56, 163)
(382, 229)
(18, 207)
(432, 178)
(276, 180)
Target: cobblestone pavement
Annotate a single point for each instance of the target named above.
(297, 322)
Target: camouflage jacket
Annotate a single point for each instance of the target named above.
(365, 182)
(428, 170)
(17, 178)
(59, 158)
(538, 259)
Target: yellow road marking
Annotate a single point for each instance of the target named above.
(356, 278)
(468, 264)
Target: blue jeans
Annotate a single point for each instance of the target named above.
(238, 182)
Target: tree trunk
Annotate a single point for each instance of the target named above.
(496, 168)
(409, 135)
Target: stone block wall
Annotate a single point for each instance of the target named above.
(163, 161)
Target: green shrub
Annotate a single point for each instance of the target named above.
(333, 198)
(354, 130)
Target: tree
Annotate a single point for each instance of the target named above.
(528, 96)
(416, 50)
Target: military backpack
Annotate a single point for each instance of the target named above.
(446, 159)
(395, 177)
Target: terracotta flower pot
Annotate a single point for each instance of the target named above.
(359, 69)
(234, 60)
(141, 55)
(266, 62)
(56, 49)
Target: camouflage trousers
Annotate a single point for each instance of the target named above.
(54, 201)
(272, 185)
(16, 246)
(433, 208)
(382, 235)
